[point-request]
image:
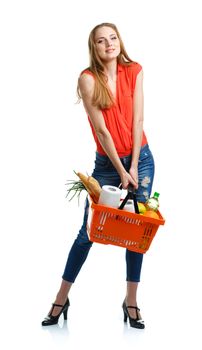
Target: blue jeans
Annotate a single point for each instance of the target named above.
(106, 174)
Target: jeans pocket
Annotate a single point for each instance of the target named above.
(145, 154)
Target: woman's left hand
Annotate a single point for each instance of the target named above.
(134, 174)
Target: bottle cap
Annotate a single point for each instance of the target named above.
(156, 194)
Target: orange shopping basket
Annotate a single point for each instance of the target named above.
(122, 228)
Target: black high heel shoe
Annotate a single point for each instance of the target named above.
(50, 320)
(134, 322)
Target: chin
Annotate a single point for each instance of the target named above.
(110, 57)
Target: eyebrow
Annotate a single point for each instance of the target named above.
(102, 37)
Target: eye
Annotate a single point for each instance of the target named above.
(100, 41)
(114, 38)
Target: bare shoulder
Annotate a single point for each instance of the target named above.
(140, 74)
(86, 83)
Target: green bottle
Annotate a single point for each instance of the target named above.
(153, 202)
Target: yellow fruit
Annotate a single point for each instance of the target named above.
(141, 208)
(151, 214)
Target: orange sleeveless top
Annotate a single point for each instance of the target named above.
(119, 117)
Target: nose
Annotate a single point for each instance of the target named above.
(108, 43)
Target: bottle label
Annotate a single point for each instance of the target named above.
(153, 204)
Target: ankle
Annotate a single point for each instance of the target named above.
(61, 298)
(130, 301)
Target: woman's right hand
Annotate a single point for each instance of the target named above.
(127, 179)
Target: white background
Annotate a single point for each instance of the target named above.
(44, 136)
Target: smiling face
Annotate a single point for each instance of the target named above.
(107, 43)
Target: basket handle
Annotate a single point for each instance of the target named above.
(130, 195)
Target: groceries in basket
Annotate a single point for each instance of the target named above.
(125, 223)
(152, 206)
(143, 208)
(123, 228)
(153, 202)
(110, 196)
(129, 206)
(88, 183)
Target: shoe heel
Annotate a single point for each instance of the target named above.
(65, 314)
(125, 317)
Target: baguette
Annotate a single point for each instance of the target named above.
(91, 185)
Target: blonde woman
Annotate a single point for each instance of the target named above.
(111, 89)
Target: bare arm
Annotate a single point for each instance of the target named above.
(138, 118)
(86, 85)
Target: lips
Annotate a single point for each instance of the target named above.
(109, 50)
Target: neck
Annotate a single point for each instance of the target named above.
(111, 69)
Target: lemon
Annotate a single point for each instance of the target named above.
(141, 208)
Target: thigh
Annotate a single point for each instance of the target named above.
(104, 171)
(106, 174)
(146, 169)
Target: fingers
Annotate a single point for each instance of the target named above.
(129, 180)
(132, 181)
(125, 186)
(135, 185)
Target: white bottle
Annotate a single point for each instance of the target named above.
(153, 202)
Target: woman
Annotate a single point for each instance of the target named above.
(112, 93)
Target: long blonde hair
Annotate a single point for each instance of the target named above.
(102, 98)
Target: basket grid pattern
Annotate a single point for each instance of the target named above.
(121, 228)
